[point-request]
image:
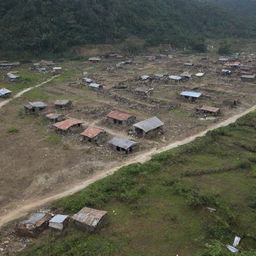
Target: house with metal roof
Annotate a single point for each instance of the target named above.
(5, 93)
(151, 126)
(13, 76)
(57, 70)
(95, 86)
(59, 222)
(36, 223)
(200, 74)
(208, 110)
(94, 59)
(95, 135)
(191, 95)
(71, 125)
(63, 104)
(120, 117)
(35, 107)
(122, 144)
(248, 78)
(175, 78)
(225, 71)
(145, 78)
(87, 80)
(89, 219)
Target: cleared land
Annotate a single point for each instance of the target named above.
(160, 207)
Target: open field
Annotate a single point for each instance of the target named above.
(37, 162)
(160, 207)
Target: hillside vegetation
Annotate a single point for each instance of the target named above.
(54, 25)
(160, 207)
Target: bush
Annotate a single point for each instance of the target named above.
(13, 130)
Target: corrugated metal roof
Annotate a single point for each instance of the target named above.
(65, 125)
(87, 80)
(209, 109)
(177, 78)
(34, 218)
(54, 116)
(62, 102)
(226, 71)
(149, 124)
(95, 59)
(144, 89)
(59, 218)
(186, 75)
(191, 94)
(119, 115)
(95, 85)
(38, 104)
(57, 68)
(145, 77)
(248, 76)
(12, 76)
(4, 92)
(200, 74)
(92, 132)
(122, 142)
(89, 216)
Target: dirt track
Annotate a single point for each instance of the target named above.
(28, 206)
(5, 102)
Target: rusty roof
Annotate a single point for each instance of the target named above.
(89, 216)
(66, 124)
(35, 220)
(119, 115)
(92, 132)
(209, 109)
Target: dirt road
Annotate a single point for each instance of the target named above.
(5, 102)
(28, 206)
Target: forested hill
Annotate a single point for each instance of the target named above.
(54, 25)
(246, 8)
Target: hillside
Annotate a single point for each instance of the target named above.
(55, 25)
(160, 207)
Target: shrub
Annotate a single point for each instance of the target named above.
(224, 48)
(13, 130)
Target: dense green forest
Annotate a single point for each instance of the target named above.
(54, 25)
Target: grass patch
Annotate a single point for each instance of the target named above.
(12, 130)
(160, 207)
(53, 139)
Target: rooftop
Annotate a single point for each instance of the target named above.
(209, 109)
(92, 132)
(95, 85)
(59, 218)
(62, 102)
(4, 92)
(119, 115)
(149, 124)
(177, 78)
(191, 94)
(89, 216)
(122, 142)
(65, 125)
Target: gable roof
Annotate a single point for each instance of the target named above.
(122, 142)
(66, 124)
(4, 92)
(92, 132)
(38, 104)
(149, 124)
(119, 115)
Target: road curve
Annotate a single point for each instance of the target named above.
(145, 156)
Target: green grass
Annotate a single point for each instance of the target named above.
(160, 207)
(13, 130)
(53, 139)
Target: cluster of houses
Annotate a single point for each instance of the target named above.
(45, 66)
(147, 128)
(87, 219)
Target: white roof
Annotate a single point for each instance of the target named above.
(12, 76)
(59, 218)
(200, 74)
(177, 78)
(94, 85)
(145, 77)
(191, 94)
(4, 91)
(87, 80)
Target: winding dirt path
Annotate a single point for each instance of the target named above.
(143, 157)
(5, 102)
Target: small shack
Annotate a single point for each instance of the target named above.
(63, 104)
(87, 80)
(208, 110)
(151, 126)
(223, 60)
(200, 74)
(95, 86)
(145, 78)
(5, 93)
(191, 95)
(13, 76)
(122, 144)
(226, 72)
(188, 64)
(36, 223)
(185, 76)
(35, 107)
(95, 135)
(59, 222)
(89, 219)
(144, 91)
(175, 78)
(94, 59)
(70, 125)
(57, 70)
(248, 78)
(55, 117)
(120, 117)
